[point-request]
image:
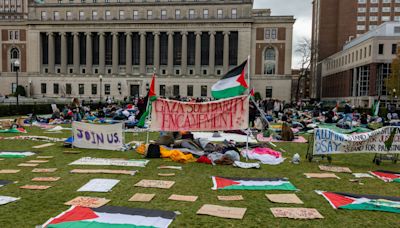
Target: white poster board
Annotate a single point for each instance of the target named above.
(93, 136)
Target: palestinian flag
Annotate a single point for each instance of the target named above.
(232, 84)
(151, 96)
(387, 176)
(228, 183)
(375, 107)
(111, 217)
(12, 154)
(14, 130)
(351, 201)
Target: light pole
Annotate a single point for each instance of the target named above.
(101, 81)
(16, 65)
(394, 97)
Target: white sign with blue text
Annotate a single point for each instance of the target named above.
(383, 140)
(94, 136)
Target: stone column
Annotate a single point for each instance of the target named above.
(102, 52)
(128, 52)
(51, 53)
(226, 51)
(184, 53)
(76, 53)
(115, 69)
(89, 58)
(197, 60)
(212, 53)
(63, 52)
(142, 52)
(156, 52)
(170, 53)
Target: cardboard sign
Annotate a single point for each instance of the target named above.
(110, 162)
(284, 198)
(296, 213)
(329, 142)
(50, 170)
(222, 212)
(321, 175)
(92, 202)
(46, 179)
(104, 171)
(170, 167)
(155, 184)
(226, 114)
(38, 161)
(99, 185)
(71, 152)
(43, 145)
(94, 136)
(9, 171)
(35, 187)
(7, 199)
(335, 169)
(44, 157)
(362, 175)
(141, 197)
(166, 174)
(230, 198)
(183, 198)
(27, 165)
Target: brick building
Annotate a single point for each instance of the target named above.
(73, 48)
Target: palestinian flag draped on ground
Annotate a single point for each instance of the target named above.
(387, 176)
(111, 217)
(232, 84)
(229, 183)
(351, 201)
(151, 97)
(14, 130)
(12, 154)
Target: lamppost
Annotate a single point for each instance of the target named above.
(394, 97)
(101, 86)
(16, 65)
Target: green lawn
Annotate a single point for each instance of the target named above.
(36, 207)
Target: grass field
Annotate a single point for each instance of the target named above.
(35, 207)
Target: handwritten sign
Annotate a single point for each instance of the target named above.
(296, 213)
(110, 162)
(284, 198)
(46, 179)
(142, 197)
(222, 212)
(94, 136)
(183, 198)
(35, 187)
(9, 171)
(27, 165)
(321, 175)
(92, 202)
(155, 184)
(329, 142)
(335, 169)
(227, 114)
(99, 185)
(49, 170)
(230, 198)
(104, 171)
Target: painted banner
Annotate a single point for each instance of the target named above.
(226, 114)
(383, 140)
(93, 136)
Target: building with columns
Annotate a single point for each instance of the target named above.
(93, 48)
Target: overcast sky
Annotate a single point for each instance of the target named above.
(302, 11)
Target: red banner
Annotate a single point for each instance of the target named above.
(227, 114)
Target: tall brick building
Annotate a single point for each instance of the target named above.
(336, 22)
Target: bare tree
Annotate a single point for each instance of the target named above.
(304, 50)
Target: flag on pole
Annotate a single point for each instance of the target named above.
(375, 107)
(151, 96)
(231, 84)
(252, 92)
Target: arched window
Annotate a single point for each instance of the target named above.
(269, 61)
(14, 56)
(14, 53)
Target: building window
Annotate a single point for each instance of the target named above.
(81, 15)
(14, 55)
(189, 91)
(192, 14)
(268, 92)
(68, 89)
(234, 13)
(135, 15)
(383, 72)
(176, 90)
(394, 49)
(362, 85)
(149, 14)
(177, 14)
(360, 27)
(55, 88)
(373, 18)
(56, 15)
(94, 15)
(163, 14)
(205, 13)
(162, 90)
(44, 15)
(203, 91)
(14, 35)
(220, 14)
(108, 14)
(361, 9)
(107, 89)
(385, 18)
(81, 89)
(396, 29)
(269, 61)
(362, 1)
(270, 33)
(94, 89)
(43, 88)
(121, 15)
(371, 10)
(380, 49)
(69, 15)
(361, 18)
(386, 9)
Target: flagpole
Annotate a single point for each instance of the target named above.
(147, 108)
(248, 82)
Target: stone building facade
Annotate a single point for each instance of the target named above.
(94, 48)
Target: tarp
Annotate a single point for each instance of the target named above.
(94, 136)
(383, 140)
(226, 114)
